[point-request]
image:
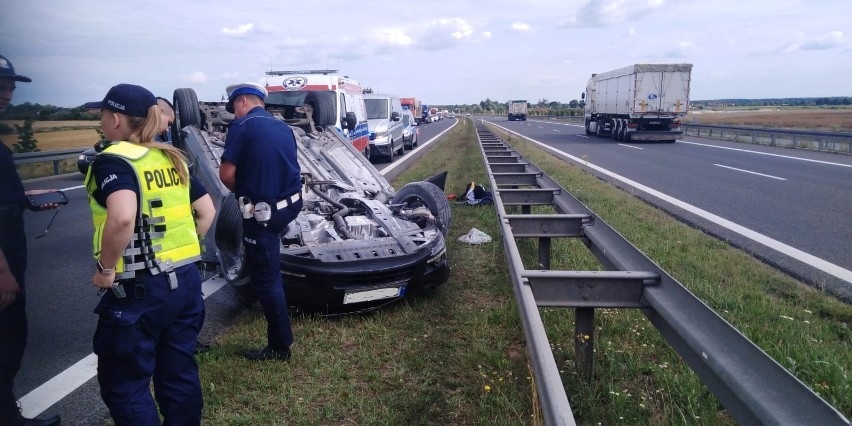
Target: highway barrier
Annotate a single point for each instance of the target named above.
(753, 387)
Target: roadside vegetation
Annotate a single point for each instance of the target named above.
(834, 119)
(457, 355)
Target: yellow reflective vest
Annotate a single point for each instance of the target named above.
(164, 234)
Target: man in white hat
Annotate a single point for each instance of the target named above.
(259, 165)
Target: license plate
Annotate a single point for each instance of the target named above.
(366, 296)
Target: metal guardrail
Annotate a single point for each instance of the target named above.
(47, 156)
(751, 385)
(821, 141)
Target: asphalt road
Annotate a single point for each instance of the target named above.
(60, 296)
(799, 198)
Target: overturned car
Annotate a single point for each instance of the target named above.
(357, 244)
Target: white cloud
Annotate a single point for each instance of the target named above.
(238, 31)
(443, 33)
(197, 77)
(486, 35)
(392, 37)
(601, 13)
(828, 40)
(520, 26)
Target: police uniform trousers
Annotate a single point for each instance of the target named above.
(151, 333)
(13, 319)
(263, 256)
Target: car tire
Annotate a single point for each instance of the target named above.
(414, 141)
(187, 113)
(323, 105)
(426, 193)
(228, 238)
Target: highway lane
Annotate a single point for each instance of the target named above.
(61, 297)
(800, 198)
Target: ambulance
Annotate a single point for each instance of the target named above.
(291, 87)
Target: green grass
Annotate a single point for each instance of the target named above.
(429, 360)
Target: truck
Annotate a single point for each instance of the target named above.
(517, 110)
(413, 105)
(641, 102)
(424, 116)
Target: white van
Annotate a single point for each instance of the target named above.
(383, 118)
(292, 87)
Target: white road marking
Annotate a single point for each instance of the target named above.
(807, 258)
(582, 136)
(61, 385)
(556, 130)
(749, 171)
(629, 146)
(766, 153)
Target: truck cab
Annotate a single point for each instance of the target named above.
(290, 88)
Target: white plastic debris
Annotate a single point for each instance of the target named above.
(475, 236)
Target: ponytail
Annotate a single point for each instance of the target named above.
(144, 130)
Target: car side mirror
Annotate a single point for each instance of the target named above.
(350, 121)
(395, 116)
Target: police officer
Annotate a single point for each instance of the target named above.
(259, 165)
(145, 246)
(13, 264)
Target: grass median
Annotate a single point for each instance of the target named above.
(458, 356)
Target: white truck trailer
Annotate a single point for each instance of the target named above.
(518, 110)
(640, 102)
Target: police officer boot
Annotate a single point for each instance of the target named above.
(267, 353)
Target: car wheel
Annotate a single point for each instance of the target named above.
(390, 153)
(401, 147)
(588, 132)
(228, 238)
(367, 152)
(323, 105)
(187, 113)
(414, 141)
(417, 194)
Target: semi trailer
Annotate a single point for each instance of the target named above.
(517, 110)
(641, 102)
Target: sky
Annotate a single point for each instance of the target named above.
(442, 52)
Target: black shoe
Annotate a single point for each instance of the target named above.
(200, 348)
(50, 421)
(268, 353)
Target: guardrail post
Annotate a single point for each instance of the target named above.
(772, 141)
(584, 341)
(55, 167)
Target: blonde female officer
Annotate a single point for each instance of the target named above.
(145, 246)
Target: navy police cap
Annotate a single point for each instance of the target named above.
(8, 71)
(127, 99)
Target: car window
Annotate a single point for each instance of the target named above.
(376, 108)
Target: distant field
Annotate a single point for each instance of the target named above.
(835, 120)
(56, 135)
